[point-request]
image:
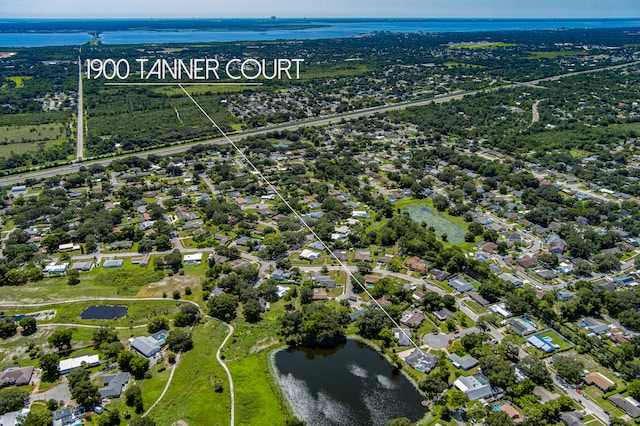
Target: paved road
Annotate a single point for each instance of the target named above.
(231, 390)
(319, 121)
(583, 400)
(80, 146)
(442, 340)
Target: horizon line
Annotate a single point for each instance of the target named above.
(407, 18)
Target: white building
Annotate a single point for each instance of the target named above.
(66, 365)
(309, 254)
(192, 259)
(475, 387)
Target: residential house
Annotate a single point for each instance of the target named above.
(403, 335)
(362, 256)
(594, 326)
(319, 293)
(192, 259)
(522, 326)
(439, 275)
(511, 278)
(443, 314)
(599, 381)
(465, 363)
(527, 261)
(146, 345)
(501, 308)
(412, 318)
(460, 285)
(625, 405)
(416, 264)
(474, 387)
(309, 254)
(512, 413)
(565, 295)
(66, 365)
(112, 263)
(16, 376)
(113, 384)
(478, 298)
(421, 361)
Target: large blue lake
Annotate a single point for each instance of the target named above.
(322, 29)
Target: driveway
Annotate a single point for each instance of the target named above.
(442, 340)
(59, 392)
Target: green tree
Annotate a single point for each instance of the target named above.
(252, 309)
(498, 418)
(8, 327)
(568, 368)
(133, 398)
(372, 322)
(61, 338)
(145, 245)
(138, 366)
(29, 325)
(156, 324)
(223, 307)
(12, 399)
(188, 315)
(124, 360)
(634, 389)
(534, 369)
(174, 259)
(49, 365)
(179, 340)
(163, 243)
(85, 393)
(104, 334)
(37, 418)
(73, 277)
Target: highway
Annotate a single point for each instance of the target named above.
(80, 146)
(294, 125)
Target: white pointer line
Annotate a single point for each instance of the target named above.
(180, 84)
(302, 221)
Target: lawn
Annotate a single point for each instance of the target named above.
(475, 307)
(190, 397)
(481, 45)
(556, 339)
(555, 54)
(258, 400)
(20, 148)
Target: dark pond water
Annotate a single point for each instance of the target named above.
(349, 385)
(104, 312)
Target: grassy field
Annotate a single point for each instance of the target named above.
(480, 45)
(258, 400)
(32, 133)
(190, 397)
(555, 54)
(475, 307)
(19, 80)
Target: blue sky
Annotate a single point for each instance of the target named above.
(319, 8)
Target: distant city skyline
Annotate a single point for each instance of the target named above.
(319, 9)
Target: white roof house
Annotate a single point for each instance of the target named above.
(475, 387)
(66, 365)
(191, 259)
(309, 254)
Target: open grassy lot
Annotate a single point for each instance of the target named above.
(258, 400)
(555, 54)
(190, 397)
(481, 45)
(32, 133)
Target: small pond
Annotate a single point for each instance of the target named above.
(442, 225)
(349, 385)
(104, 312)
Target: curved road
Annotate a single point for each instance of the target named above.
(231, 391)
